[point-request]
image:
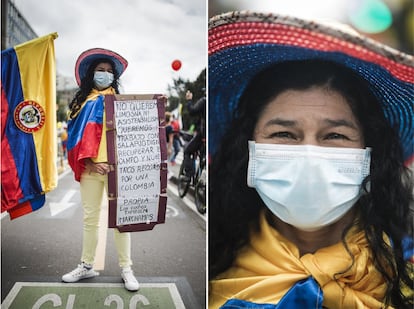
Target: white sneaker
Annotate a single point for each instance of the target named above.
(79, 273)
(131, 283)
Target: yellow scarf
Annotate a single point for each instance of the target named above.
(92, 96)
(270, 265)
(102, 152)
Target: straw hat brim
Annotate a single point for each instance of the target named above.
(241, 44)
(87, 57)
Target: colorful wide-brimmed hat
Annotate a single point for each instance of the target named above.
(241, 44)
(88, 56)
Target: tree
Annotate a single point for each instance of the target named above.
(177, 91)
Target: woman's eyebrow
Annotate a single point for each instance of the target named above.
(330, 122)
(281, 122)
(340, 123)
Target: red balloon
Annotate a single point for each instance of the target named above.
(176, 65)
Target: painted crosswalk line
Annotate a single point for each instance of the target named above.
(37, 295)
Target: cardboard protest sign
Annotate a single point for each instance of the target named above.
(136, 144)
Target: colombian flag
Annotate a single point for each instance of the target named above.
(85, 138)
(28, 125)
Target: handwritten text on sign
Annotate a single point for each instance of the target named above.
(139, 158)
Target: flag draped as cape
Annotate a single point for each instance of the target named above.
(85, 131)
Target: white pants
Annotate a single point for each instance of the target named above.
(92, 187)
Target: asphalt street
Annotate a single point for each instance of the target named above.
(44, 245)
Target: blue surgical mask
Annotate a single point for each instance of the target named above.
(307, 186)
(102, 79)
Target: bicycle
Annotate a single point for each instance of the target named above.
(198, 180)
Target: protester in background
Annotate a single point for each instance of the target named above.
(60, 131)
(169, 133)
(97, 73)
(197, 109)
(64, 139)
(176, 138)
(309, 129)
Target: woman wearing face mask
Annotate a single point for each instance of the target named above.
(311, 132)
(97, 72)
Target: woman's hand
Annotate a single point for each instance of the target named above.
(163, 98)
(99, 168)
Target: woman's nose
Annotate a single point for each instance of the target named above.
(310, 139)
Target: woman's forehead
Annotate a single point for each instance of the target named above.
(318, 97)
(104, 65)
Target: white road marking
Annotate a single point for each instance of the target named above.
(172, 287)
(186, 200)
(171, 212)
(56, 208)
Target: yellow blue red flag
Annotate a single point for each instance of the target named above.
(28, 125)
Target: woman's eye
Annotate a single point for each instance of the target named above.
(336, 136)
(282, 134)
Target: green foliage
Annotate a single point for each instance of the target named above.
(176, 95)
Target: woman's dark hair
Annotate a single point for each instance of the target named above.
(87, 84)
(234, 208)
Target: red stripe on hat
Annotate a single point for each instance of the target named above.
(247, 33)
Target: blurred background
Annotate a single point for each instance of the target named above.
(388, 21)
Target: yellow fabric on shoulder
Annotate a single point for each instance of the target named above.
(407, 291)
(267, 268)
(102, 152)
